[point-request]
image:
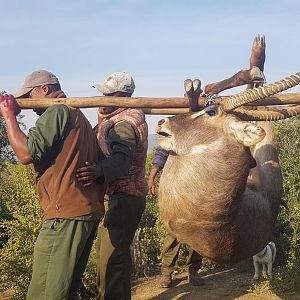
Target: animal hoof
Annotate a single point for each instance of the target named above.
(188, 86)
(257, 75)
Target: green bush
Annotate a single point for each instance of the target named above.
(20, 224)
(288, 229)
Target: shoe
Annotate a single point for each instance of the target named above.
(165, 281)
(195, 278)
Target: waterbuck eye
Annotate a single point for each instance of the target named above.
(211, 112)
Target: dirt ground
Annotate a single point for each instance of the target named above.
(219, 285)
(227, 284)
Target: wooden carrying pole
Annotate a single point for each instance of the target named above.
(163, 106)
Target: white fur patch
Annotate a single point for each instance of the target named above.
(205, 148)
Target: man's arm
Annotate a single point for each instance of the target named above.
(158, 162)
(151, 180)
(160, 157)
(122, 141)
(17, 139)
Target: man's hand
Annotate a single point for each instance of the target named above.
(151, 180)
(8, 106)
(151, 186)
(17, 139)
(89, 173)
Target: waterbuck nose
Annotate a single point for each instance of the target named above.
(162, 121)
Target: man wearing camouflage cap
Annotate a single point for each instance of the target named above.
(56, 147)
(123, 137)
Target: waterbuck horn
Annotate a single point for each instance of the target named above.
(261, 92)
(268, 114)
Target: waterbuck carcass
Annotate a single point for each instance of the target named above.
(209, 197)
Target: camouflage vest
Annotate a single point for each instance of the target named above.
(134, 182)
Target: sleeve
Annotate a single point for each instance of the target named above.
(160, 157)
(44, 140)
(122, 140)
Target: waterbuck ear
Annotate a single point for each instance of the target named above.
(246, 133)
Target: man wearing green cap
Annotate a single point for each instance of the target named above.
(56, 147)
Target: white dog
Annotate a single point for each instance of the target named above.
(266, 258)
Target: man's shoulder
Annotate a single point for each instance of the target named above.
(54, 113)
(57, 108)
(123, 126)
(60, 106)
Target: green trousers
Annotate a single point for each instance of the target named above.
(115, 234)
(60, 256)
(170, 253)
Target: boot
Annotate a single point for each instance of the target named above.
(195, 278)
(165, 281)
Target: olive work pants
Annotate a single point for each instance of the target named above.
(170, 254)
(60, 256)
(115, 234)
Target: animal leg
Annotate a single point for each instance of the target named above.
(264, 271)
(256, 269)
(270, 270)
(258, 56)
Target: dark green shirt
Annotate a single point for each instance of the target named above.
(122, 141)
(44, 141)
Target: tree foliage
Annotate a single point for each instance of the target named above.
(3, 139)
(288, 225)
(20, 223)
(6, 152)
(287, 231)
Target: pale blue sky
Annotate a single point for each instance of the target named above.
(160, 43)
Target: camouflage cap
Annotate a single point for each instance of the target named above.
(37, 78)
(116, 82)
